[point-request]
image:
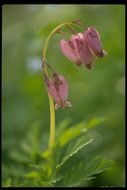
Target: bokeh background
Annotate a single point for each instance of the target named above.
(96, 93)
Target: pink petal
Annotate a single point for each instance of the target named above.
(83, 51)
(52, 90)
(68, 51)
(63, 88)
(75, 39)
(87, 57)
(58, 89)
(94, 42)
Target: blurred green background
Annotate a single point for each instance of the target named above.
(96, 93)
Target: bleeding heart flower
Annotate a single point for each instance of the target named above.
(58, 89)
(77, 50)
(93, 39)
(83, 48)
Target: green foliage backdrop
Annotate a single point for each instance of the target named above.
(96, 93)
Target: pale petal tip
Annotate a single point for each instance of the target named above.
(68, 104)
(56, 106)
(105, 53)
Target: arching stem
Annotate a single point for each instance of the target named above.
(51, 103)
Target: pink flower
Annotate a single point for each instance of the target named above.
(83, 48)
(58, 89)
(93, 39)
(76, 50)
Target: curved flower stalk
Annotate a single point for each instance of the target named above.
(51, 102)
(83, 48)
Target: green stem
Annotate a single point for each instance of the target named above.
(51, 103)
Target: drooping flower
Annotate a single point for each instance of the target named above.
(93, 39)
(58, 89)
(83, 48)
(76, 50)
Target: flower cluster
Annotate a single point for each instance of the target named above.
(81, 48)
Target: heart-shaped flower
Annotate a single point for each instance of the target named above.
(58, 89)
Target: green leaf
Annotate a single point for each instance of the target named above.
(73, 149)
(85, 170)
(95, 121)
(72, 132)
(56, 179)
(98, 165)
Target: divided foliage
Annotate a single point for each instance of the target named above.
(63, 165)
